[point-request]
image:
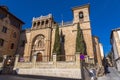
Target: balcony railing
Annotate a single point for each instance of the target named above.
(42, 58)
(65, 57)
(66, 23)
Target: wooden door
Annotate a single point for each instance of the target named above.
(39, 57)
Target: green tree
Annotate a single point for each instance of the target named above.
(56, 48)
(110, 56)
(80, 44)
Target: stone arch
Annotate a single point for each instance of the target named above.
(46, 22)
(81, 15)
(37, 39)
(38, 44)
(38, 23)
(35, 53)
(37, 36)
(42, 23)
(34, 24)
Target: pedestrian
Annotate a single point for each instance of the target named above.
(93, 74)
(106, 67)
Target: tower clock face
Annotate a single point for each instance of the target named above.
(81, 15)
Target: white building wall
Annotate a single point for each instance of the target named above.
(118, 65)
(115, 50)
(118, 62)
(118, 34)
(101, 50)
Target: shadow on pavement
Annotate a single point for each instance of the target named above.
(45, 77)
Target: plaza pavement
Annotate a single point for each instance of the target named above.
(30, 77)
(113, 75)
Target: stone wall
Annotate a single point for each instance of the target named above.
(66, 73)
(66, 69)
(45, 65)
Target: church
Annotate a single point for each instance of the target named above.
(39, 39)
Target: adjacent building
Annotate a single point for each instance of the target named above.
(10, 27)
(98, 50)
(115, 42)
(101, 50)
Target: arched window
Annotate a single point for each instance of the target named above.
(81, 16)
(42, 23)
(34, 24)
(46, 22)
(38, 23)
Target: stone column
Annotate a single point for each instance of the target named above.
(34, 60)
(4, 58)
(78, 62)
(86, 59)
(54, 60)
(48, 43)
(80, 65)
(40, 24)
(16, 62)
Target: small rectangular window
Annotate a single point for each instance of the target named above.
(4, 29)
(1, 42)
(12, 46)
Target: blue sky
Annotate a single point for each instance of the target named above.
(104, 14)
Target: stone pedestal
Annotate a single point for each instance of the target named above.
(4, 58)
(78, 62)
(86, 59)
(54, 58)
(34, 60)
(16, 62)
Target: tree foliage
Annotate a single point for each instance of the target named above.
(80, 44)
(110, 55)
(56, 48)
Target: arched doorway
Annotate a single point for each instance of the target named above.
(39, 57)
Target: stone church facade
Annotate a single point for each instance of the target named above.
(39, 39)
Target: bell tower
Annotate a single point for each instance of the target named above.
(81, 16)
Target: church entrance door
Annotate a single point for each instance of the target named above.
(39, 57)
